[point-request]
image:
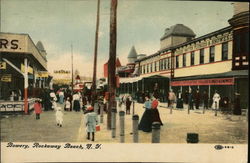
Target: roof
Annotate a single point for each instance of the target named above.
(178, 30)
(132, 53)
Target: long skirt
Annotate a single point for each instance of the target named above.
(179, 103)
(76, 105)
(156, 116)
(146, 121)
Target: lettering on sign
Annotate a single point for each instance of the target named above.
(62, 72)
(2, 65)
(223, 81)
(6, 77)
(8, 44)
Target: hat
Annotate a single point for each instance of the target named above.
(90, 108)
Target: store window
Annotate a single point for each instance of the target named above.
(224, 51)
(211, 54)
(184, 60)
(192, 58)
(202, 56)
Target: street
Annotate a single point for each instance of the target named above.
(211, 129)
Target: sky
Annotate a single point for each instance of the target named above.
(62, 23)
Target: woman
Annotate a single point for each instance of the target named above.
(155, 112)
(76, 102)
(179, 104)
(146, 120)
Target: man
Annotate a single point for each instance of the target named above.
(171, 98)
(197, 99)
(205, 99)
(190, 100)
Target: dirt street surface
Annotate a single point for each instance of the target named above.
(222, 129)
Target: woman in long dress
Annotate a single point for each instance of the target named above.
(155, 112)
(179, 104)
(146, 120)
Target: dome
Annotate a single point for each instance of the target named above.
(40, 46)
(178, 30)
(132, 53)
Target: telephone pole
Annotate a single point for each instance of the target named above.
(112, 61)
(95, 54)
(72, 73)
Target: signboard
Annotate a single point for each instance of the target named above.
(42, 74)
(13, 42)
(30, 69)
(2, 65)
(6, 77)
(221, 81)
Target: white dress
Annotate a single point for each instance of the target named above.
(216, 99)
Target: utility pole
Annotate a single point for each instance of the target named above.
(112, 61)
(95, 54)
(72, 70)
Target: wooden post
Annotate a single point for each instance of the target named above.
(26, 86)
(156, 127)
(101, 112)
(112, 60)
(215, 113)
(133, 113)
(122, 126)
(113, 122)
(135, 128)
(93, 99)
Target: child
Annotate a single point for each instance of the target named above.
(59, 116)
(67, 105)
(38, 109)
(91, 121)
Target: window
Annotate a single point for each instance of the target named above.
(211, 54)
(184, 60)
(147, 68)
(165, 64)
(159, 65)
(177, 61)
(151, 67)
(202, 56)
(168, 62)
(143, 69)
(155, 67)
(192, 58)
(224, 51)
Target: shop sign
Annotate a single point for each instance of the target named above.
(219, 81)
(30, 69)
(6, 78)
(42, 74)
(13, 42)
(2, 65)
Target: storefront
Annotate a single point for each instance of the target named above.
(23, 71)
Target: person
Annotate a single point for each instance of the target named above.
(61, 96)
(216, 100)
(128, 104)
(185, 97)
(172, 98)
(197, 99)
(205, 100)
(237, 107)
(156, 90)
(38, 109)
(146, 120)
(225, 104)
(190, 101)
(179, 104)
(76, 102)
(84, 102)
(67, 105)
(59, 116)
(53, 99)
(91, 120)
(155, 111)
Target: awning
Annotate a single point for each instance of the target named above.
(130, 80)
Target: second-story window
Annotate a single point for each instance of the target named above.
(168, 63)
(151, 67)
(192, 58)
(147, 68)
(202, 56)
(184, 60)
(177, 61)
(211, 54)
(165, 64)
(155, 67)
(224, 51)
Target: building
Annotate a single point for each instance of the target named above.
(23, 70)
(215, 61)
